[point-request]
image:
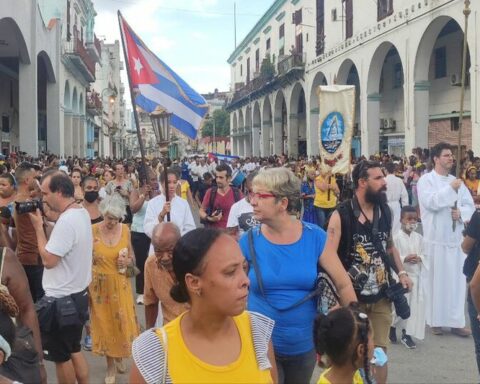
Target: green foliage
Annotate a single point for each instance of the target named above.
(267, 69)
(222, 124)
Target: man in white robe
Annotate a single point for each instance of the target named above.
(438, 191)
(397, 195)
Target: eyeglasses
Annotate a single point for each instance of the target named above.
(260, 196)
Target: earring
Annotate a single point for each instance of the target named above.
(198, 292)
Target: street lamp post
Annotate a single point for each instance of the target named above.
(161, 129)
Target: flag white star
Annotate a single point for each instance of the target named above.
(138, 65)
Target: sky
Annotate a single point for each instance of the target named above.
(193, 37)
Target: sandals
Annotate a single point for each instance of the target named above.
(121, 365)
(110, 379)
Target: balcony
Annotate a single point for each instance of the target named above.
(289, 70)
(94, 46)
(94, 104)
(79, 60)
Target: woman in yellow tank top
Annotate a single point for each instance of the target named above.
(217, 341)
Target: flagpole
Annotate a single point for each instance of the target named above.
(134, 105)
(466, 13)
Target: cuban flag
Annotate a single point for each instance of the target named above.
(158, 87)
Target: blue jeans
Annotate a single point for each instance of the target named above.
(323, 214)
(475, 325)
(296, 369)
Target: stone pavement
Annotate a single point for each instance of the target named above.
(438, 359)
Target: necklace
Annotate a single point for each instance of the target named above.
(69, 205)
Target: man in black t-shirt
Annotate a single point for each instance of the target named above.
(471, 246)
(203, 184)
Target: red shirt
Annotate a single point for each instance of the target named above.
(223, 202)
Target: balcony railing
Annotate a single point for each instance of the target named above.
(288, 63)
(76, 52)
(94, 104)
(289, 69)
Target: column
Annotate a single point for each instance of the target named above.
(75, 136)
(370, 123)
(277, 136)
(292, 135)
(28, 108)
(256, 137)
(248, 143)
(265, 142)
(82, 131)
(54, 119)
(312, 132)
(68, 137)
(419, 117)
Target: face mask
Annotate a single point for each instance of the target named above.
(411, 227)
(91, 196)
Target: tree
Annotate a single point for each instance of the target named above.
(222, 124)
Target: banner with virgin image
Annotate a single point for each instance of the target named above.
(336, 118)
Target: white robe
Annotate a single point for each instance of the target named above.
(408, 245)
(396, 193)
(446, 285)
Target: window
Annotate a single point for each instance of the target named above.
(320, 46)
(69, 35)
(297, 17)
(248, 70)
(281, 31)
(257, 60)
(281, 38)
(268, 45)
(349, 18)
(440, 62)
(241, 69)
(299, 43)
(384, 9)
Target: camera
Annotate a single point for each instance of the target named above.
(359, 278)
(396, 294)
(28, 206)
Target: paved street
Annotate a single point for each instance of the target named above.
(439, 359)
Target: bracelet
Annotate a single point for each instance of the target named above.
(402, 273)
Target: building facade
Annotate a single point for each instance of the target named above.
(403, 56)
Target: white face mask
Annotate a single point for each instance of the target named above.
(411, 227)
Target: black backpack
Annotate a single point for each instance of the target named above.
(348, 223)
(211, 201)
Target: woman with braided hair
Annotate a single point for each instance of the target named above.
(8, 310)
(346, 338)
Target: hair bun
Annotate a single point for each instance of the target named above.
(179, 294)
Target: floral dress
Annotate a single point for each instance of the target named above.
(113, 320)
(309, 214)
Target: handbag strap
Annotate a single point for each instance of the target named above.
(258, 275)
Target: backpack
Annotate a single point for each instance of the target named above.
(348, 222)
(211, 201)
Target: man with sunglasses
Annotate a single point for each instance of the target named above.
(359, 234)
(445, 206)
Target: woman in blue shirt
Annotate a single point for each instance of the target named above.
(287, 251)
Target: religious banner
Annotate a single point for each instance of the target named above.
(336, 117)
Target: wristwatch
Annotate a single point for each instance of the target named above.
(402, 273)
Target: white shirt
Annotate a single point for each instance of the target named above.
(180, 214)
(396, 190)
(194, 171)
(72, 241)
(241, 216)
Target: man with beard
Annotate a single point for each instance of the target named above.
(159, 277)
(359, 233)
(445, 205)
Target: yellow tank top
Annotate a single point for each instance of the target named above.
(321, 198)
(184, 187)
(184, 367)
(357, 378)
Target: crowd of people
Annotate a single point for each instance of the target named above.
(232, 261)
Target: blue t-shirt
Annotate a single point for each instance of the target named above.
(288, 273)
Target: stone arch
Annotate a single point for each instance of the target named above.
(75, 100)
(312, 128)
(50, 73)
(344, 71)
(10, 31)
(256, 129)
(436, 94)
(267, 128)
(280, 124)
(67, 100)
(297, 136)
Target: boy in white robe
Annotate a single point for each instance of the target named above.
(410, 247)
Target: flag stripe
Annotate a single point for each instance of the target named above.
(175, 121)
(170, 104)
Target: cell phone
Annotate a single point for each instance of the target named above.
(217, 212)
